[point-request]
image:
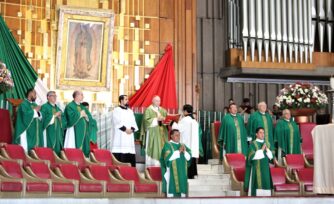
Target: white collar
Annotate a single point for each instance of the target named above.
(174, 142)
(286, 120)
(262, 113)
(261, 141)
(233, 114)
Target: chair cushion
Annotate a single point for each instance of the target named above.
(99, 172)
(12, 168)
(295, 161)
(309, 157)
(141, 188)
(309, 188)
(286, 187)
(90, 187)
(15, 152)
(69, 171)
(8, 186)
(306, 176)
(112, 187)
(278, 176)
(63, 187)
(40, 169)
(239, 174)
(37, 187)
(77, 155)
(45, 153)
(103, 156)
(129, 173)
(236, 160)
(155, 173)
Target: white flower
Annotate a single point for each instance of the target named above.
(307, 100)
(300, 99)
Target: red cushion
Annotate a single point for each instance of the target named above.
(77, 155)
(103, 156)
(155, 173)
(63, 187)
(45, 153)
(306, 135)
(112, 187)
(217, 125)
(286, 187)
(129, 173)
(100, 172)
(295, 161)
(37, 187)
(40, 169)
(236, 161)
(12, 168)
(69, 171)
(309, 188)
(11, 186)
(140, 188)
(306, 175)
(309, 157)
(90, 187)
(278, 176)
(239, 174)
(15, 152)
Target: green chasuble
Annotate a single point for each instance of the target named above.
(55, 131)
(233, 135)
(287, 136)
(80, 124)
(178, 168)
(258, 119)
(157, 135)
(257, 174)
(25, 121)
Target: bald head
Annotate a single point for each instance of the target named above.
(77, 96)
(262, 107)
(286, 114)
(156, 101)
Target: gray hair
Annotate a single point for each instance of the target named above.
(49, 93)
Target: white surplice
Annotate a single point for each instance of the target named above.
(189, 129)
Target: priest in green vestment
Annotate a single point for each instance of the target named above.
(287, 136)
(233, 133)
(54, 123)
(28, 129)
(175, 159)
(78, 121)
(258, 180)
(261, 118)
(154, 133)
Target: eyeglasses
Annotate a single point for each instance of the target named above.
(53, 95)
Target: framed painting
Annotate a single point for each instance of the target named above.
(84, 49)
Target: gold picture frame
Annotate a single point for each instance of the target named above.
(84, 49)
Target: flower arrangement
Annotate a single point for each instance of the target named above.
(301, 95)
(6, 81)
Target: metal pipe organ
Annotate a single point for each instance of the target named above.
(287, 27)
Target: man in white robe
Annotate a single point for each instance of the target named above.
(124, 125)
(189, 130)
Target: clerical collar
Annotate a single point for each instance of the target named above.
(54, 105)
(261, 141)
(287, 120)
(262, 113)
(233, 114)
(123, 107)
(78, 103)
(174, 142)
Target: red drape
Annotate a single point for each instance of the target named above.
(5, 127)
(161, 82)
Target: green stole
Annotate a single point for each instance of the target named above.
(55, 131)
(178, 169)
(233, 135)
(158, 135)
(25, 121)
